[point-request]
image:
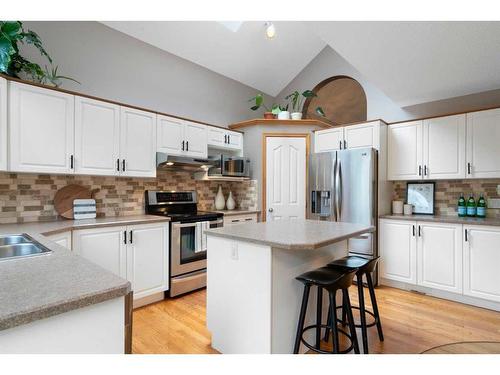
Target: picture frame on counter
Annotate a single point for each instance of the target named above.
(422, 196)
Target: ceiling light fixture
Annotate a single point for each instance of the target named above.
(169, 163)
(270, 30)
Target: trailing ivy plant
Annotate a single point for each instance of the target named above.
(12, 33)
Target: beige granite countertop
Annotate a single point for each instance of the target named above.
(446, 219)
(38, 287)
(237, 212)
(293, 234)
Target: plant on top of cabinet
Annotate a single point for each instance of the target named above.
(259, 102)
(13, 64)
(297, 101)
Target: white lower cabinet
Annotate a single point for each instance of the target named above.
(398, 251)
(138, 253)
(63, 239)
(481, 262)
(439, 256)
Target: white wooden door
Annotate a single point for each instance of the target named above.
(216, 136)
(328, 140)
(362, 136)
(103, 246)
(63, 239)
(41, 129)
(97, 137)
(444, 148)
(285, 178)
(234, 140)
(195, 136)
(481, 262)
(398, 250)
(404, 142)
(439, 256)
(3, 124)
(147, 258)
(170, 135)
(137, 142)
(483, 140)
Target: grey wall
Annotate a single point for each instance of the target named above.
(114, 66)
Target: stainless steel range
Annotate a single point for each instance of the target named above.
(188, 249)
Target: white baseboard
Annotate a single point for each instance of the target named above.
(149, 299)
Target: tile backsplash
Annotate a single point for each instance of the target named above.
(448, 191)
(29, 197)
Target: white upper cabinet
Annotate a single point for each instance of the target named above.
(481, 260)
(223, 138)
(97, 137)
(329, 140)
(137, 142)
(398, 251)
(181, 138)
(404, 142)
(195, 136)
(362, 135)
(41, 129)
(444, 148)
(234, 140)
(483, 140)
(439, 254)
(3, 124)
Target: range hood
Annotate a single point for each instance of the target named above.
(165, 161)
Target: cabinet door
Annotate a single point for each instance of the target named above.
(481, 261)
(3, 124)
(404, 142)
(444, 147)
(170, 135)
(439, 256)
(97, 137)
(362, 136)
(216, 137)
(483, 138)
(137, 142)
(398, 251)
(41, 129)
(104, 247)
(195, 136)
(147, 258)
(63, 239)
(234, 140)
(328, 140)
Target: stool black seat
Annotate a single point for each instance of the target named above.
(362, 267)
(331, 280)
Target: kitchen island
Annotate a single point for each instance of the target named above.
(253, 299)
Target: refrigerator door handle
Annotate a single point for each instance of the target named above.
(334, 198)
(339, 195)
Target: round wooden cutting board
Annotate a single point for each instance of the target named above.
(63, 200)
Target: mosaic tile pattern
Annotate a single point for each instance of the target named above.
(448, 191)
(29, 197)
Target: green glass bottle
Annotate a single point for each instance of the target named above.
(481, 207)
(462, 210)
(471, 206)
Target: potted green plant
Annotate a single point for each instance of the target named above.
(283, 114)
(297, 101)
(258, 101)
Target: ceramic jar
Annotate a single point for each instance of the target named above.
(296, 115)
(230, 204)
(220, 202)
(284, 115)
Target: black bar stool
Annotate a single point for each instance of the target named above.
(362, 266)
(332, 280)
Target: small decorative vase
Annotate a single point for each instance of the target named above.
(230, 204)
(296, 115)
(284, 115)
(220, 202)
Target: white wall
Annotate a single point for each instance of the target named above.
(115, 66)
(329, 63)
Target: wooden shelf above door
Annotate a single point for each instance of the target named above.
(262, 121)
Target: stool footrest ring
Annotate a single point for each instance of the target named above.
(372, 324)
(313, 348)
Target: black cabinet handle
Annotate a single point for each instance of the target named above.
(340, 144)
(413, 227)
(420, 170)
(187, 145)
(345, 144)
(466, 236)
(419, 231)
(71, 161)
(123, 165)
(125, 237)
(131, 237)
(225, 138)
(468, 168)
(182, 145)
(118, 165)
(425, 170)
(228, 139)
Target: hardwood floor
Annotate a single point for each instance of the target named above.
(412, 323)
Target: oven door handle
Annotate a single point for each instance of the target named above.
(183, 225)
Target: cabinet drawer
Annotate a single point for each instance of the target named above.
(240, 219)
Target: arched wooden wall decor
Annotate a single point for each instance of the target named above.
(342, 98)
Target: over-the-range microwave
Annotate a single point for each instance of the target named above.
(229, 166)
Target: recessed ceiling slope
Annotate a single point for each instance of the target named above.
(245, 55)
(418, 62)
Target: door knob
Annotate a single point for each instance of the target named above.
(271, 209)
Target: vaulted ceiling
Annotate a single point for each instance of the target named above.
(411, 62)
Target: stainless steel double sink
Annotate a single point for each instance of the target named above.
(20, 246)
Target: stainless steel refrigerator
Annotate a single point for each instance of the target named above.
(343, 187)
